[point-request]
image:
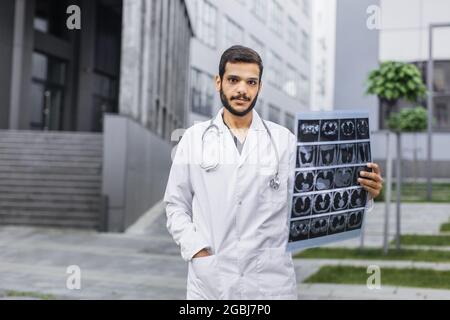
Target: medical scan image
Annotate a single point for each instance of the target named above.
(318, 227)
(329, 130)
(306, 156)
(341, 200)
(327, 155)
(337, 223)
(308, 130)
(347, 153)
(302, 206)
(299, 230)
(322, 203)
(343, 177)
(304, 181)
(347, 129)
(358, 198)
(324, 180)
(354, 220)
(362, 129)
(328, 203)
(363, 151)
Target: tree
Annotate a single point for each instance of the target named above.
(391, 82)
(396, 80)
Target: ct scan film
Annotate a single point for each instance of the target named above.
(327, 203)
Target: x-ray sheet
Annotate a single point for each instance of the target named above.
(328, 204)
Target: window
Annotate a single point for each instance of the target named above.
(304, 89)
(202, 98)
(48, 18)
(305, 46)
(274, 114)
(260, 9)
(289, 121)
(292, 38)
(206, 17)
(257, 45)
(274, 72)
(306, 7)
(291, 83)
(276, 18)
(234, 34)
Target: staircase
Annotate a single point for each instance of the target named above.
(50, 178)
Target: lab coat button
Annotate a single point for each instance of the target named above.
(240, 202)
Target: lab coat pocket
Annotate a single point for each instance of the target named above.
(276, 273)
(206, 275)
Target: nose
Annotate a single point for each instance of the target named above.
(242, 88)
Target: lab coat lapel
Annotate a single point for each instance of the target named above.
(253, 136)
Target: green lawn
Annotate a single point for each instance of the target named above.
(424, 240)
(445, 227)
(420, 278)
(416, 192)
(375, 254)
(29, 294)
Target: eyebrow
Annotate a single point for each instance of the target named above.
(237, 77)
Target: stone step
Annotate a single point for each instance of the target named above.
(54, 184)
(22, 135)
(63, 146)
(41, 163)
(47, 176)
(62, 198)
(49, 221)
(50, 178)
(50, 158)
(51, 170)
(95, 154)
(50, 206)
(50, 190)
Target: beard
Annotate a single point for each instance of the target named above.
(227, 105)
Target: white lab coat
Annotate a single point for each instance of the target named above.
(233, 212)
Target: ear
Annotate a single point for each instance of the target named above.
(218, 82)
(260, 87)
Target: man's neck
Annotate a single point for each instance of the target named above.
(236, 122)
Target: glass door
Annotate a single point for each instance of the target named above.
(47, 92)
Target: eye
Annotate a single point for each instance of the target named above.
(252, 83)
(232, 80)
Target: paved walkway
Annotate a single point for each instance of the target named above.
(146, 264)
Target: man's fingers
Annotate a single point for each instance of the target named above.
(375, 167)
(372, 191)
(371, 175)
(370, 183)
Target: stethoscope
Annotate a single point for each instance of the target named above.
(274, 183)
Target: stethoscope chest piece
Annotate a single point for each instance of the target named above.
(275, 182)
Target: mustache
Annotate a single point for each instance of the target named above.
(241, 97)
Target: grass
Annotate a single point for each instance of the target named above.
(375, 254)
(420, 278)
(29, 294)
(445, 227)
(424, 240)
(417, 192)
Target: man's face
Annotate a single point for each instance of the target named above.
(239, 87)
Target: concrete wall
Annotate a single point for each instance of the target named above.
(136, 166)
(356, 55)
(415, 143)
(154, 63)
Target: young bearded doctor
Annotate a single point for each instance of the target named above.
(228, 192)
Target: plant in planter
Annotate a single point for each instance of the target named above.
(391, 82)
